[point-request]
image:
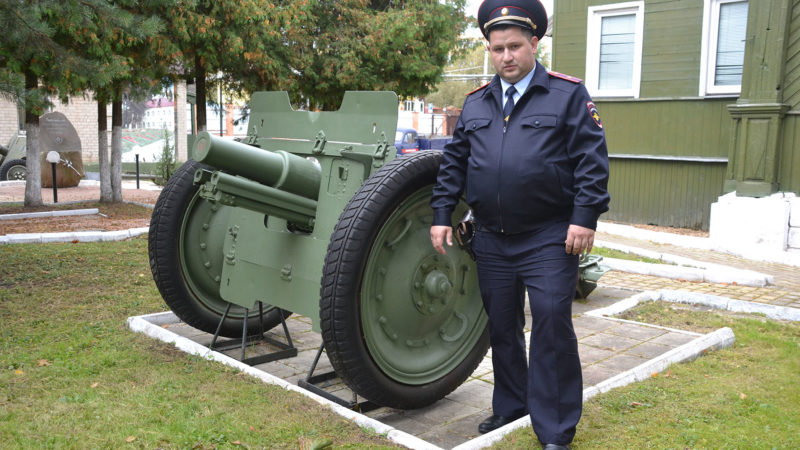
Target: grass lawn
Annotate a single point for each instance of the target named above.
(611, 253)
(746, 396)
(73, 375)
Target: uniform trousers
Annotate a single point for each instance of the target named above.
(550, 387)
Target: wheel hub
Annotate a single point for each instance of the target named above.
(431, 285)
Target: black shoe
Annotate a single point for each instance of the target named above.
(494, 422)
(555, 447)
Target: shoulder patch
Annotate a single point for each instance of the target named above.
(565, 77)
(594, 114)
(478, 89)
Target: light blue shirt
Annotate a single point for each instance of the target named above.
(521, 86)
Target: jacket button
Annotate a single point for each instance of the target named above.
(474, 125)
(537, 123)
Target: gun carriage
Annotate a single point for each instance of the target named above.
(313, 214)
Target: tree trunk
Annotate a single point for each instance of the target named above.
(200, 93)
(116, 148)
(33, 180)
(102, 151)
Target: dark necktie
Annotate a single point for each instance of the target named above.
(509, 106)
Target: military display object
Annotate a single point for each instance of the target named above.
(314, 214)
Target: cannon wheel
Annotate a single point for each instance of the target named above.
(14, 170)
(185, 244)
(402, 325)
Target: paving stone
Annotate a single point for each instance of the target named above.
(474, 392)
(600, 298)
(590, 355)
(483, 368)
(444, 410)
(401, 421)
(487, 378)
(594, 374)
(621, 362)
(648, 350)
(467, 427)
(673, 339)
(442, 438)
(593, 323)
(609, 341)
(581, 332)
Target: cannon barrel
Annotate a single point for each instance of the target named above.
(277, 169)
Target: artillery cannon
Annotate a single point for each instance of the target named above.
(313, 214)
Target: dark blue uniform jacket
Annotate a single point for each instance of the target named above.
(550, 164)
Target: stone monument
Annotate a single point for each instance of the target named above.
(57, 134)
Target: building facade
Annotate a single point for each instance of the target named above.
(698, 98)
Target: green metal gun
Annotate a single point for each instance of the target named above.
(313, 214)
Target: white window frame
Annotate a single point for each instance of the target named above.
(593, 29)
(708, 51)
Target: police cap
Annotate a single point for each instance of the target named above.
(528, 14)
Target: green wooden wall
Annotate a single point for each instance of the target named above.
(666, 167)
(668, 149)
(789, 152)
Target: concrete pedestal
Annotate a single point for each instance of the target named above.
(747, 224)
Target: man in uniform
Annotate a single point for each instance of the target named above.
(530, 155)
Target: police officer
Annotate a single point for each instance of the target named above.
(529, 153)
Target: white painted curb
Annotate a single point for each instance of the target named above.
(724, 337)
(754, 253)
(150, 325)
(729, 304)
(74, 236)
(686, 269)
(59, 213)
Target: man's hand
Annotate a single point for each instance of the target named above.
(439, 235)
(579, 240)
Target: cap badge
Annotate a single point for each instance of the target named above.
(504, 11)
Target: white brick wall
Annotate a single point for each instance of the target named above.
(81, 112)
(9, 122)
(794, 224)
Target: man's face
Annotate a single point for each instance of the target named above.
(513, 54)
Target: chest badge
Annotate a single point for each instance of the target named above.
(595, 115)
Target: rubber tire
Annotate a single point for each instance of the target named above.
(164, 252)
(346, 258)
(6, 167)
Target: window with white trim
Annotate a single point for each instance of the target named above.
(614, 49)
(722, 59)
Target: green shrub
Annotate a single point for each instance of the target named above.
(165, 165)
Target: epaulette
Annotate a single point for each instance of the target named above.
(478, 89)
(565, 77)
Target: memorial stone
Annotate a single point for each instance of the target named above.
(57, 134)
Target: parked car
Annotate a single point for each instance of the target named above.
(408, 141)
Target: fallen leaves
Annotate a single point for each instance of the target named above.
(130, 439)
(42, 363)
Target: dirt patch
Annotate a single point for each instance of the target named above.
(112, 217)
